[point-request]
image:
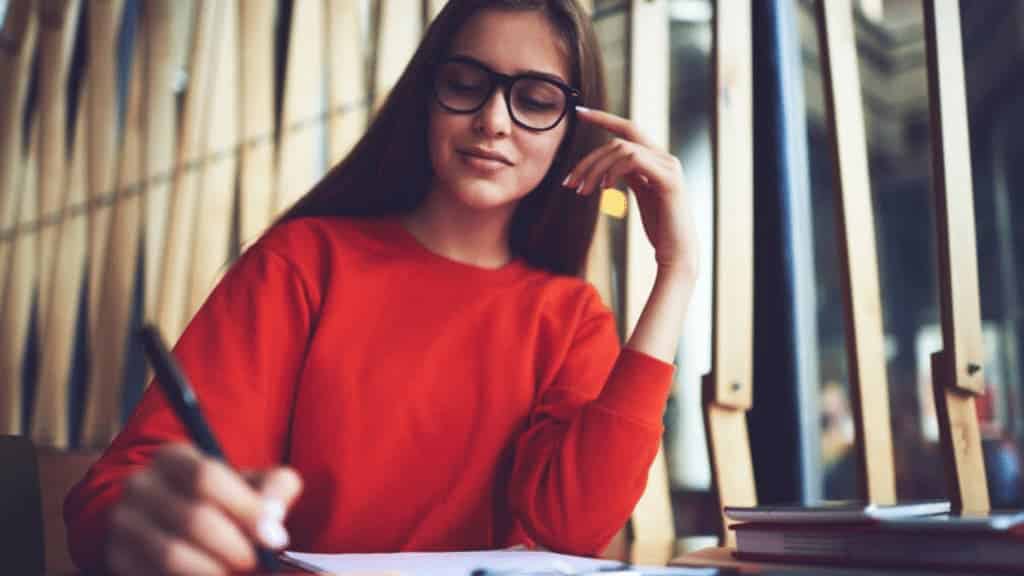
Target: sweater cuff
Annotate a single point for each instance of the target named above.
(638, 387)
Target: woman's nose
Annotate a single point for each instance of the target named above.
(493, 119)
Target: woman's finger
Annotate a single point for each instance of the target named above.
(142, 544)
(617, 125)
(634, 163)
(282, 485)
(636, 169)
(199, 523)
(209, 480)
(581, 174)
(597, 176)
(572, 180)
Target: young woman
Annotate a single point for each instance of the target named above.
(407, 360)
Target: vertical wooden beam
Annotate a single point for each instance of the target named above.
(104, 24)
(50, 416)
(59, 19)
(165, 43)
(17, 45)
(16, 49)
(732, 349)
(653, 526)
(957, 370)
(17, 42)
(599, 261)
(433, 9)
(256, 118)
(728, 389)
(216, 202)
(732, 473)
(346, 82)
(856, 239)
(600, 264)
(398, 34)
(17, 301)
(301, 146)
(169, 313)
(106, 368)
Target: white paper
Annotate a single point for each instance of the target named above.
(507, 562)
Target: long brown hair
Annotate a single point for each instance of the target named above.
(389, 170)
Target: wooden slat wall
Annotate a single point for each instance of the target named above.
(653, 526)
(59, 20)
(728, 389)
(16, 49)
(398, 33)
(164, 43)
(256, 124)
(300, 148)
(958, 369)
(346, 80)
(17, 301)
(120, 255)
(856, 230)
(104, 25)
(434, 7)
(50, 424)
(216, 202)
(17, 40)
(169, 313)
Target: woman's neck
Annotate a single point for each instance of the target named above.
(462, 233)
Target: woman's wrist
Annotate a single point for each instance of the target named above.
(681, 273)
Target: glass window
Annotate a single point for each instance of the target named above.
(891, 52)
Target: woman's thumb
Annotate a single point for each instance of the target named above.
(279, 487)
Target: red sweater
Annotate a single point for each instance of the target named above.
(427, 404)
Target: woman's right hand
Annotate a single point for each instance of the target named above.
(189, 514)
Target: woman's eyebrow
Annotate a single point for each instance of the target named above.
(531, 72)
(541, 74)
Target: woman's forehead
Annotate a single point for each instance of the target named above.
(513, 42)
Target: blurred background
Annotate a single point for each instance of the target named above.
(104, 224)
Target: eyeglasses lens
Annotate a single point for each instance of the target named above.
(535, 102)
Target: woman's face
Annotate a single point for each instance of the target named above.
(483, 159)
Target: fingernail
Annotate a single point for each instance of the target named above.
(272, 533)
(579, 189)
(604, 182)
(273, 509)
(582, 109)
(565, 183)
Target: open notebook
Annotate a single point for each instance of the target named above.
(491, 563)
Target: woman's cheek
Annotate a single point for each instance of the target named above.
(544, 155)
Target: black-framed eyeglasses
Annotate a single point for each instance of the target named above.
(536, 102)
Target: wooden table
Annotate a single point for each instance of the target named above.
(721, 557)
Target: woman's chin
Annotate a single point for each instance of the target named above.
(486, 196)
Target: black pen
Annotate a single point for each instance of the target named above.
(183, 400)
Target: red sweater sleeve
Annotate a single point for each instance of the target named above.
(582, 464)
(242, 352)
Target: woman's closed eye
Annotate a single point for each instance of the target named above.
(536, 104)
(538, 98)
(464, 86)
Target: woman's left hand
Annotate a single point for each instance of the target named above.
(656, 178)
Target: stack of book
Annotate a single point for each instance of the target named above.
(914, 535)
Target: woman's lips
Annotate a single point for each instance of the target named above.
(482, 163)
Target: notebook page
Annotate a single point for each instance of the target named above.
(464, 563)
